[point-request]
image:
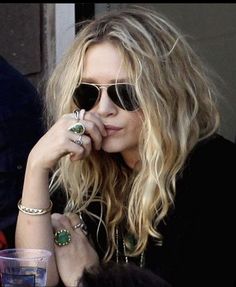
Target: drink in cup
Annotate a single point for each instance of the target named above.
(24, 267)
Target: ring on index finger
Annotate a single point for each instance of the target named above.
(82, 113)
(77, 114)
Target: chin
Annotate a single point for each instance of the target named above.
(112, 147)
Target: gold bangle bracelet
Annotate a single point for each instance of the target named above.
(34, 211)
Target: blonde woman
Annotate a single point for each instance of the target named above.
(132, 146)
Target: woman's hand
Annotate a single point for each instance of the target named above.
(73, 258)
(59, 141)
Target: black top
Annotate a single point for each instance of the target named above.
(198, 235)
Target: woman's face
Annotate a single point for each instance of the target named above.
(103, 65)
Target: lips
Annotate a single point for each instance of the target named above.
(112, 129)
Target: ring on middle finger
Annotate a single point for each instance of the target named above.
(82, 226)
(77, 128)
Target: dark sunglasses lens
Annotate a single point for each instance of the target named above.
(85, 96)
(123, 95)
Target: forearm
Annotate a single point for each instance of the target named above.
(35, 231)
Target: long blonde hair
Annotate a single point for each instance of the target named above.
(177, 100)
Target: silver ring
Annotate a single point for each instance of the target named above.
(77, 128)
(79, 141)
(77, 113)
(81, 226)
(81, 114)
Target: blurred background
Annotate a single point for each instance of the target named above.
(34, 36)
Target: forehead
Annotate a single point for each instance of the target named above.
(104, 63)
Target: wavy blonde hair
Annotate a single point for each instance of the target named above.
(177, 100)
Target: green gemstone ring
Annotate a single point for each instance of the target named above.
(62, 237)
(77, 128)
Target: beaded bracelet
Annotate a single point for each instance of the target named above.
(34, 211)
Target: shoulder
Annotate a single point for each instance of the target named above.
(214, 155)
(216, 145)
(209, 172)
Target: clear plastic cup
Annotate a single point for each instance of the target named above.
(24, 267)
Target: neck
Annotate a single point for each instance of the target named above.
(132, 159)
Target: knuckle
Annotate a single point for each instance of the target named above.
(55, 216)
(88, 141)
(64, 220)
(72, 216)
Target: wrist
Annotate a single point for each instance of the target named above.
(35, 164)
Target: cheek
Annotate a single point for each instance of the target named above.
(134, 124)
(134, 129)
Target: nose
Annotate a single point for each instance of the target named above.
(105, 107)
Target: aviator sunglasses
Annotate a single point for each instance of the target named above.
(87, 95)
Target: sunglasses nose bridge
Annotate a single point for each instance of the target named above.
(101, 89)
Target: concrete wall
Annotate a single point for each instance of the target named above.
(65, 27)
(27, 39)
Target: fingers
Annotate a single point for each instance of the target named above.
(68, 222)
(80, 147)
(77, 254)
(94, 118)
(77, 223)
(94, 128)
(82, 141)
(92, 138)
(94, 133)
(73, 218)
(60, 221)
(59, 141)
